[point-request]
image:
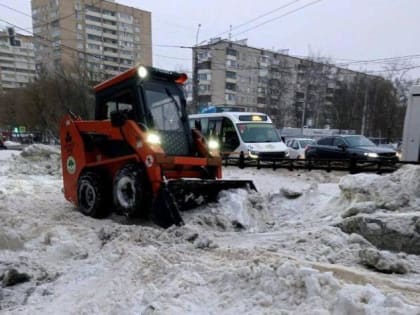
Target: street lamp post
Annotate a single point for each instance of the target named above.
(195, 71)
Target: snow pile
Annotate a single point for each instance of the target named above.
(384, 209)
(37, 159)
(395, 192)
(235, 210)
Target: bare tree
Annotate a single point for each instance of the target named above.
(41, 104)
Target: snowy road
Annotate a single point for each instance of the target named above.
(277, 251)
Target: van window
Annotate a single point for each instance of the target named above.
(230, 139)
(256, 132)
(214, 128)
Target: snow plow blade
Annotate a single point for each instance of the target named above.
(179, 195)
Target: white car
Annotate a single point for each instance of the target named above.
(297, 147)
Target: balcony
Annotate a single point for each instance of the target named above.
(111, 53)
(93, 32)
(109, 17)
(93, 13)
(109, 35)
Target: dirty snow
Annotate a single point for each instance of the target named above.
(251, 253)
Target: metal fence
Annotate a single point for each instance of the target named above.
(351, 165)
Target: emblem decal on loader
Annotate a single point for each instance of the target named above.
(71, 165)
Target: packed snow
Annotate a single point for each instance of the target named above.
(305, 243)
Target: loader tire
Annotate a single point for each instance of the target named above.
(130, 191)
(93, 195)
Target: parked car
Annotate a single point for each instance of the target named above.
(297, 147)
(350, 147)
(2, 146)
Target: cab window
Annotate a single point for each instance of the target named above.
(123, 102)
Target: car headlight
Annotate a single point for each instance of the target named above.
(372, 155)
(153, 138)
(213, 144)
(253, 154)
(287, 153)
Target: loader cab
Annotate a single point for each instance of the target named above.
(155, 100)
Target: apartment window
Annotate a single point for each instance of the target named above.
(108, 13)
(230, 97)
(203, 55)
(93, 9)
(105, 22)
(125, 27)
(93, 28)
(93, 18)
(204, 65)
(94, 46)
(261, 100)
(261, 90)
(124, 16)
(231, 63)
(265, 59)
(203, 88)
(230, 74)
(231, 86)
(204, 76)
(231, 52)
(91, 37)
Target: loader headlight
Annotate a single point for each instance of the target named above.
(153, 138)
(213, 144)
(142, 72)
(372, 155)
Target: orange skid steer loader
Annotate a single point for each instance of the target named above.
(140, 155)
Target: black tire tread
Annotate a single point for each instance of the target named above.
(99, 182)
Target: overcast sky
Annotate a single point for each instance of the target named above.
(343, 29)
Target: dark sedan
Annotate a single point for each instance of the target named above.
(2, 146)
(350, 147)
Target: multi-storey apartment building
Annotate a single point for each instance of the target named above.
(102, 36)
(17, 61)
(292, 90)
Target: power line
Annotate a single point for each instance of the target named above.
(394, 70)
(259, 17)
(172, 57)
(278, 17)
(383, 60)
